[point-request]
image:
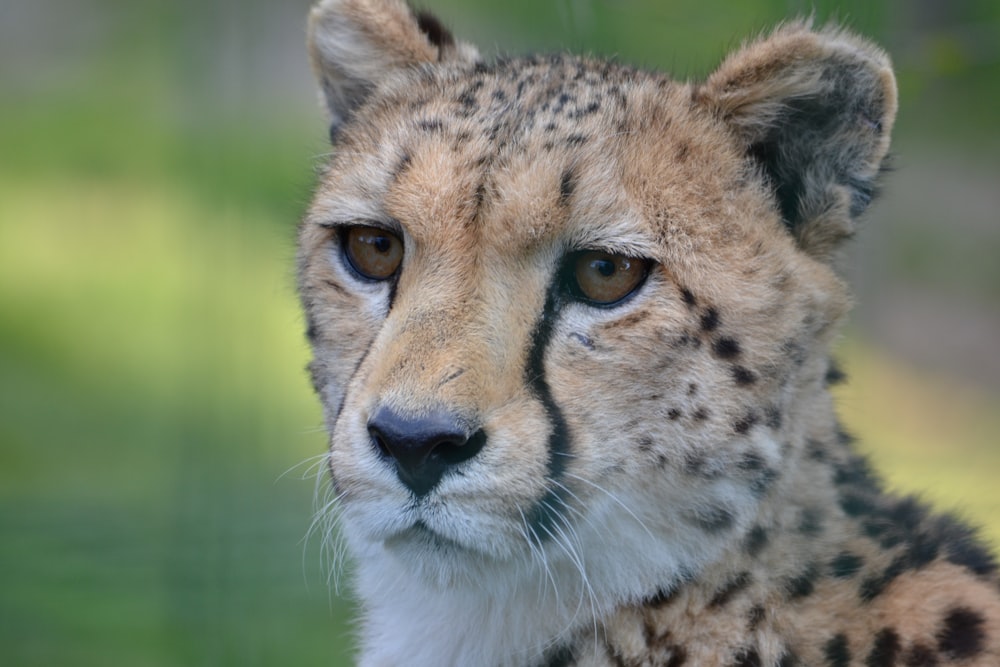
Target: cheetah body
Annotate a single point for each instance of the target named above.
(659, 480)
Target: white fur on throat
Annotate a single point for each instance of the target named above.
(429, 603)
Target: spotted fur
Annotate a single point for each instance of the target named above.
(658, 481)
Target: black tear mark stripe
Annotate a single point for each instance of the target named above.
(544, 515)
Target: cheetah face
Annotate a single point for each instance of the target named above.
(561, 310)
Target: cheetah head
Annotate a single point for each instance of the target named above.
(570, 319)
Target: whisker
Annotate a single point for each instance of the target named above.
(614, 498)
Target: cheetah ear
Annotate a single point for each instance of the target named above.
(815, 110)
(356, 44)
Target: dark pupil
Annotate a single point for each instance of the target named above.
(382, 244)
(605, 267)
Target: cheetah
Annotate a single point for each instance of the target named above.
(571, 325)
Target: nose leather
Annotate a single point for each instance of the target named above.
(423, 447)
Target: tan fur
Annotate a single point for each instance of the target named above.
(663, 481)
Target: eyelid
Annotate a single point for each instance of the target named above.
(622, 249)
(388, 225)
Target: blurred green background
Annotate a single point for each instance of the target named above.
(154, 159)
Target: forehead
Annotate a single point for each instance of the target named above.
(526, 150)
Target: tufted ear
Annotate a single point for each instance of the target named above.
(355, 44)
(815, 110)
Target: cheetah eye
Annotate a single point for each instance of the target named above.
(604, 279)
(373, 253)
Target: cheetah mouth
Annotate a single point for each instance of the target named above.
(422, 535)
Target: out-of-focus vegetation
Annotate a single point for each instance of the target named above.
(154, 158)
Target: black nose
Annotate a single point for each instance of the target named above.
(423, 447)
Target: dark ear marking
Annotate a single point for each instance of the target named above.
(355, 45)
(435, 31)
(809, 147)
(813, 111)
(334, 131)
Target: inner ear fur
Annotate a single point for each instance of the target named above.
(356, 44)
(815, 110)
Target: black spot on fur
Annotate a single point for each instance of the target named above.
(804, 584)
(694, 464)
(872, 587)
(701, 414)
(661, 643)
(747, 658)
(963, 549)
(844, 438)
(855, 504)
(756, 616)
(567, 184)
(811, 521)
(738, 583)
(312, 329)
(846, 565)
(837, 652)
(816, 450)
(755, 540)
(788, 660)
(588, 110)
(961, 635)
(751, 461)
(678, 656)
(561, 103)
(744, 377)
(661, 598)
(743, 425)
(436, 33)
(856, 473)
(683, 149)
(688, 297)
(673, 414)
(834, 375)
(710, 320)
(764, 481)
(713, 519)
(468, 96)
(921, 655)
(685, 340)
(432, 125)
(885, 650)
(772, 417)
(577, 139)
(726, 348)
(562, 656)
(692, 389)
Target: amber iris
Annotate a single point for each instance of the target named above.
(372, 252)
(604, 278)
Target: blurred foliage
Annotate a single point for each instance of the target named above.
(154, 157)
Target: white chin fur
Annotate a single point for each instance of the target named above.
(431, 602)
